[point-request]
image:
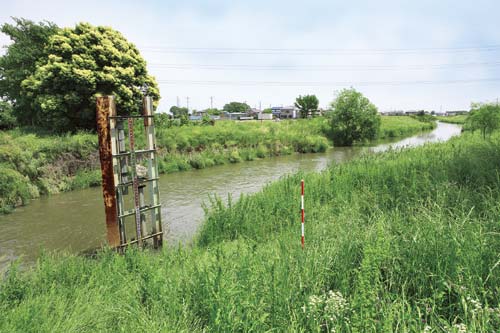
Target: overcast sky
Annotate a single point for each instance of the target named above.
(400, 54)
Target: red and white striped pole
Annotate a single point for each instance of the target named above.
(302, 239)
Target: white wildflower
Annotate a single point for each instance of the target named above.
(460, 328)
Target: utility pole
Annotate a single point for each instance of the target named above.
(211, 102)
(187, 103)
(260, 106)
(178, 102)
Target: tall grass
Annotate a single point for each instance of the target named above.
(405, 241)
(401, 126)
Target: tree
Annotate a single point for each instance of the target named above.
(236, 107)
(19, 62)
(7, 120)
(178, 112)
(83, 63)
(213, 111)
(306, 104)
(353, 118)
(484, 117)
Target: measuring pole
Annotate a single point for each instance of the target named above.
(135, 181)
(302, 239)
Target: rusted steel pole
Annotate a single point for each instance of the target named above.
(106, 107)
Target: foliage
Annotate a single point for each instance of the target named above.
(14, 189)
(236, 107)
(396, 242)
(7, 119)
(267, 111)
(179, 112)
(307, 104)
(485, 118)
(353, 118)
(82, 63)
(20, 60)
(213, 112)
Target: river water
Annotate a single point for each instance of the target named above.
(74, 221)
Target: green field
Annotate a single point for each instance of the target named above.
(460, 120)
(33, 164)
(404, 241)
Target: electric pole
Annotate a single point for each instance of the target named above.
(211, 102)
(187, 103)
(178, 102)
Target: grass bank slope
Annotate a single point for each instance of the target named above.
(402, 126)
(459, 120)
(397, 242)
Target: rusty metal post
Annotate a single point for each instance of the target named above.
(105, 107)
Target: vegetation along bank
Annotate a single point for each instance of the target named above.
(404, 241)
(34, 164)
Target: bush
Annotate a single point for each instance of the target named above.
(353, 118)
(14, 189)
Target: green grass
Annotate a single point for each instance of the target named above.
(38, 163)
(395, 242)
(459, 120)
(401, 126)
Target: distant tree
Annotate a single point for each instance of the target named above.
(29, 40)
(306, 104)
(213, 111)
(236, 107)
(82, 63)
(178, 112)
(268, 110)
(484, 117)
(7, 119)
(353, 118)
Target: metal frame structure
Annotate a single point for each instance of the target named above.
(119, 172)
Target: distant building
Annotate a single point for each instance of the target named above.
(415, 113)
(232, 116)
(456, 113)
(265, 116)
(285, 112)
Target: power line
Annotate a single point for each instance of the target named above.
(319, 67)
(316, 51)
(326, 84)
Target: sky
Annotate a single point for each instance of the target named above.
(402, 55)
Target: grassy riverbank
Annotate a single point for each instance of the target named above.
(459, 120)
(32, 164)
(402, 241)
(401, 126)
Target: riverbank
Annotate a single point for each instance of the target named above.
(459, 120)
(32, 164)
(395, 241)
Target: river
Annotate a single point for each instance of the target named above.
(74, 221)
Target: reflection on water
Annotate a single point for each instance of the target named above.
(74, 221)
